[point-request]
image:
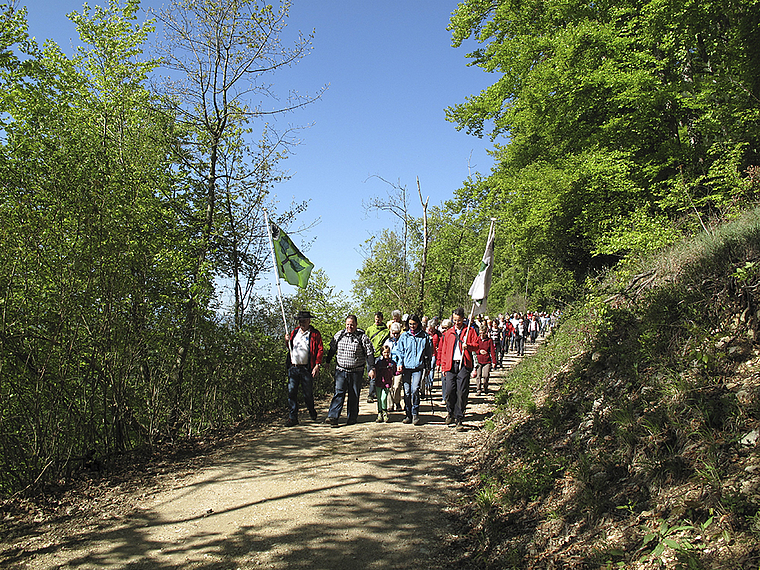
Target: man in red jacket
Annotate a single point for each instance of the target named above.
(457, 346)
(304, 358)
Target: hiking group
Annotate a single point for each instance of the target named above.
(401, 358)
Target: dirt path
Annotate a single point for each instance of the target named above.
(312, 496)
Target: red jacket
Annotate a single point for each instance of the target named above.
(436, 340)
(450, 338)
(487, 345)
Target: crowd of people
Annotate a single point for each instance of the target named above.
(402, 357)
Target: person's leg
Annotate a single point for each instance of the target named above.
(341, 384)
(307, 385)
(416, 383)
(382, 399)
(294, 379)
(431, 375)
(462, 387)
(396, 391)
(406, 381)
(383, 395)
(479, 378)
(451, 389)
(354, 390)
(486, 375)
(371, 394)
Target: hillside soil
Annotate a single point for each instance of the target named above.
(311, 496)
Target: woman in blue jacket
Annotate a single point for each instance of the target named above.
(412, 354)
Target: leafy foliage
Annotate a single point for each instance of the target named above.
(634, 429)
(627, 124)
(109, 338)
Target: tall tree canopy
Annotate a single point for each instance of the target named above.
(615, 123)
(119, 206)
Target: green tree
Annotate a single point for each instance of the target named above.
(86, 274)
(219, 54)
(633, 112)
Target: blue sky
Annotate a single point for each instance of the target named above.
(391, 72)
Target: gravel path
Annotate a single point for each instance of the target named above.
(311, 496)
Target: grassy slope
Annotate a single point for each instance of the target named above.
(631, 441)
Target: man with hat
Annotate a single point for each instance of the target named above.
(305, 351)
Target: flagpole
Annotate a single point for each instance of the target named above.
(277, 277)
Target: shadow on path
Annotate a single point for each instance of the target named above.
(312, 496)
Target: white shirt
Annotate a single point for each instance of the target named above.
(457, 345)
(299, 354)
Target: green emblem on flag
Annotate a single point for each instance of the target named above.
(292, 265)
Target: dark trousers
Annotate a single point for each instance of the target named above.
(300, 375)
(457, 390)
(520, 345)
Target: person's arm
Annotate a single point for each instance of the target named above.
(320, 353)
(288, 361)
(369, 352)
(397, 355)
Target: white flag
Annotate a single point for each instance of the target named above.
(479, 290)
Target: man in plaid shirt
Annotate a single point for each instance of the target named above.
(354, 352)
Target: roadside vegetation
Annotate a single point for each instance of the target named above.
(631, 440)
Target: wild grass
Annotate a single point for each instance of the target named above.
(630, 397)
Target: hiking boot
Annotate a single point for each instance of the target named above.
(386, 417)
(449, 420)
(416, 420)
(291, 422)
(332, 421)
(351, 422)
(407, 420)
(479, 393)
(460, 425)
(379, 418)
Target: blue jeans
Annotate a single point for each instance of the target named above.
(346, 382)
(411, 381)
(300, 375)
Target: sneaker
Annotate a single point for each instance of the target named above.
(416, 420)
(449, 420)
(479, 393)
(460, 425)
(379, 418)
(332, 421)
(291, 422)
(370, 400)
(386, 417)
(407, 421)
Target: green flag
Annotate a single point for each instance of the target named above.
(292, 265)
